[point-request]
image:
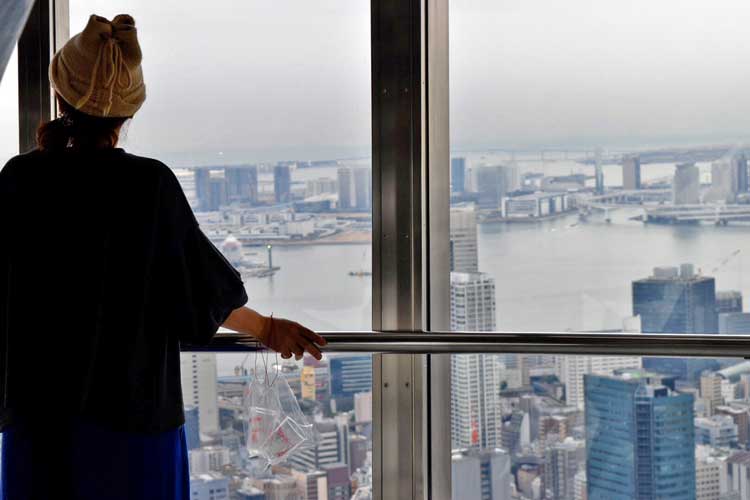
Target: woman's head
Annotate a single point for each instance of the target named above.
(98, 80)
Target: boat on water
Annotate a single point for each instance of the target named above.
(360, 273)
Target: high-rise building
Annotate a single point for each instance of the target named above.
(242, 184)
(710, 390)
(350, 374)
(475, 401)
(192, 427)
(493, 183)
(458, 175)
(640, 441)
(734, 323)
(475, 377)
(282, 183)
(673, 301)
(724, 181)
(362, 188)
(332, 447)
(481, 474)
(202, 176)
(346, 188)
(739, 165)
(472, 302)
(463, 240)
(562, 462)
(210, 188)
(571, 370)
(718, 431)
(631, 173)
(686, 186)
(198, 373)
(354, 188)
(598, 172)
(729, 301)
(186, 178)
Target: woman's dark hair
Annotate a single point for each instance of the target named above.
(77, 130)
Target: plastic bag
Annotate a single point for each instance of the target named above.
(276, 426)
(282, 442)
(263, 414)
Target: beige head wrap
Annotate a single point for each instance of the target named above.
(98, 71)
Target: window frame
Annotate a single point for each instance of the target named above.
(411, 300)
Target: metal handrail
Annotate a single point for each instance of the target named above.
(501, 342)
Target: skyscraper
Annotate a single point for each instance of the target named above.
(562, 462)
(458, 175)
(475, 377)
(686, 186)
(332, 447)
(481, 474)
(202, 176)
(475, 412)
(639, 439)
(631, 172)
(242, 184)
(723, 181)
(350, 374)
(345, 187)
(463, 240)
(198, 372)
(739, 165)
(362, 188)
(710, 390)
(495, 182)
(598, 172)
(571, 370)
(673, 301)
(282, 183)
(472, 302)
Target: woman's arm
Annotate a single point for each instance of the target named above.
(281, 335)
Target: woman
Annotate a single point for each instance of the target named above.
(104, 273)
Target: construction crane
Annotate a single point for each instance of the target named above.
(726, 260)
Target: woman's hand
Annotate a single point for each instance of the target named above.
(288, 337)
(281, 335)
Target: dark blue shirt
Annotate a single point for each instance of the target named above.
(104, 273)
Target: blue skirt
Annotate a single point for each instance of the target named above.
(84, 461)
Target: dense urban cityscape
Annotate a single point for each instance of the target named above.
(523, 427)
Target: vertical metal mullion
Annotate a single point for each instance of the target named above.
(34, 52)
(397, 243)
(437, 442)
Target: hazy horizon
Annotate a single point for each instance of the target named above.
(294, 81)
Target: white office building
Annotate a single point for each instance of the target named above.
(472, 302)
(463, 234)
(198, 372)
(571, 369)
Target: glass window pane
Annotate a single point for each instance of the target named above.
(599, 427)
(599, 156)
(263, 112)
(599, 183)
(9, 111)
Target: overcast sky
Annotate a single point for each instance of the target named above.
(291, 78)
